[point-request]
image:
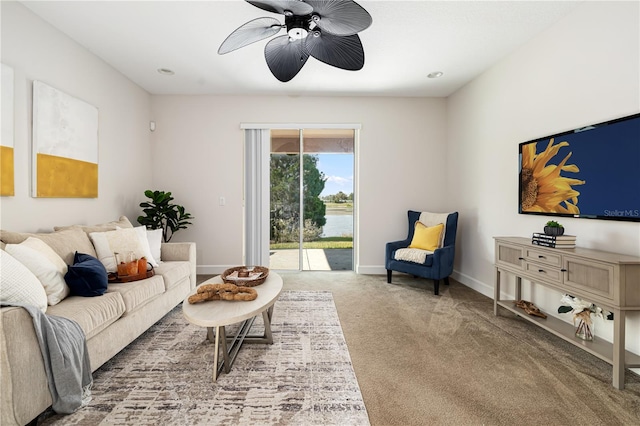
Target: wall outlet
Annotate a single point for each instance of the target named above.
(222, 201)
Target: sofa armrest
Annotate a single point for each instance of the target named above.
(185, 252)
(23, 380)
(443, 260)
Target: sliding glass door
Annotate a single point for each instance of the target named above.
(311, 199)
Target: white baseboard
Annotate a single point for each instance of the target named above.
(479, 286)
(473, 283)
(371, 270)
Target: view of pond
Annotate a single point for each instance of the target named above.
(338, 226)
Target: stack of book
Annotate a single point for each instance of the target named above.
(555, 241)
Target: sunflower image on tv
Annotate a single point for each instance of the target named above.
(543, 188)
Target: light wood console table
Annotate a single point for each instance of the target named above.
(610, 280)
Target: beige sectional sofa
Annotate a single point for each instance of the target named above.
(110, 321)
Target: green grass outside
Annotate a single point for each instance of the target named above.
(322, 243)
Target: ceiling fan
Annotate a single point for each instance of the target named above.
(324, 29)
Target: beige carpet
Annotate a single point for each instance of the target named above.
(422, 359)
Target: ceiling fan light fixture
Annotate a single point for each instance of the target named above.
(435, 74)
(297, 33)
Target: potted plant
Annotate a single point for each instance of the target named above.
(160, 213)
(553, 228)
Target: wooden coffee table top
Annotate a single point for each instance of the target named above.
(217, 313)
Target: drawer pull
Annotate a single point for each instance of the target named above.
(542, 271)
(521, 258)
(541, 257)
(563, 270)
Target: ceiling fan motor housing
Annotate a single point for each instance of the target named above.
(298, 27)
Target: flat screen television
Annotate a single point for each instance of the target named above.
(592, 172)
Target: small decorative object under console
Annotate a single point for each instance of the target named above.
(609, 280)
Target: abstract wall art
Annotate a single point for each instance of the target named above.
(65, 145)
(7, 173)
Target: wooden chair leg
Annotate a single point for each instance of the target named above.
(436, 287)
(389, 276)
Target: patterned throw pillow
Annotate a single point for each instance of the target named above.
(118, 241)
(18, 285)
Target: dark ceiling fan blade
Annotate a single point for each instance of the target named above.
(296, 7)
(255, 30)
(285, 58)
(340, 17)
(341, 52)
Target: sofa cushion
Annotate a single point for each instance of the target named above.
(64, 243)
(50, 274)
(173, 272)
(87, 276)
(94, 314)
(136, 294)
(19, 285)
(122, 222)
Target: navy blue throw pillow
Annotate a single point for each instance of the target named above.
(87, 276)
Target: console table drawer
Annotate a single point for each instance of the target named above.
(590, 276)
(543, 272)
(509, 255)
(543, 257)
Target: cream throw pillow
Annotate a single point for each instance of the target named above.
(45, 264)
(118, 241)
(426, 237)
(18, 285)
(44, 249)
(154, 237)
(144, 242)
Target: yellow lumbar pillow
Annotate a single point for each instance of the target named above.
(426, 237)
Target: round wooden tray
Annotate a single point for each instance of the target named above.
(114, 278)
(246, 282)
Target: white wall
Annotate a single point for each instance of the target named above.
(583, 70)
(198, 156)
(37, 51)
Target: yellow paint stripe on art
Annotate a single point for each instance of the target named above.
(66, 178)
(7, 183)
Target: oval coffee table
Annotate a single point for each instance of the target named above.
(220, 313)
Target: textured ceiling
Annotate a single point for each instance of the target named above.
(407, 41)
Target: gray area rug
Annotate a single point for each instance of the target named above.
(164, 377)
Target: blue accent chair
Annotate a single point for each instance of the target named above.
(437, 266)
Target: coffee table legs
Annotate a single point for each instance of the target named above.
(229, 347)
